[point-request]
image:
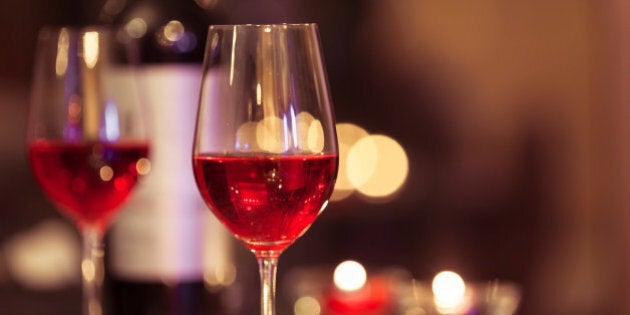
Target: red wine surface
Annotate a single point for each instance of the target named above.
(266, 201)
(87, 180)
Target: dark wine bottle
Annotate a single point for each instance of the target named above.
(155, 249)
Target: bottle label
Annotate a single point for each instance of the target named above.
(159, 234)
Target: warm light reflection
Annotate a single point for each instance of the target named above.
(303, 123)
(323, 207)
(374, 165)
(88, 269)
(90, 49)
(219, 270)
(341, 194)
(61, 62)
(143, 166)
(449, 291)
(377, 166)
(173, 30)
(348, 134)
(316, 136)
(269, 134)
(276, 135)
(307, 305)
(362, 160)
(220, 276)
(258, 94)
(246, 137)
(308, 133)
(44, 257)
(136, 28)
(106, 173)
(349, 276)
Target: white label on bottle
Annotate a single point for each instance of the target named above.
(159, 235)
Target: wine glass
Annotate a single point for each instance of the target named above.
(86, 138)
(265, 153)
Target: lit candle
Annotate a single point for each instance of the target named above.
(355, 293)
(450, 293)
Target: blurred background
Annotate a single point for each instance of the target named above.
(500, 127)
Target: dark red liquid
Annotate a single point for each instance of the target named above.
(88, 181)
(267, 202)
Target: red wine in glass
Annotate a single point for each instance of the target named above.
(266, 201)
(86, 134)
(88, 180)
(265, 153)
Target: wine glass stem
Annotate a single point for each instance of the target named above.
(267, 267)
(92, 271)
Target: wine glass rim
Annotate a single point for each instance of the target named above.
(262, 26)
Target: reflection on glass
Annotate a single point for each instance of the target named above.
(61, 64)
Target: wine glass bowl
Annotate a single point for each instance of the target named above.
(266, 201)
(86, 136)
(88, 180)
(265, 153)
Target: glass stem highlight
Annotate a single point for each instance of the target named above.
(268, 267)
(92, 271)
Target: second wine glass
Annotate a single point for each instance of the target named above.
(87, 139)
(265, 153)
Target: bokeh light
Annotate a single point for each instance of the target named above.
(88, 270)
(173, 30)
(219, 270)
(316, 136)
(347, 134)
(349, 276)
(246, 136)
(273, 134)
(307, 305)
(220, 276)
(106, 173)
(90, 49)
(45, 257)
(377, 166)
(136, 28)
(143, 166)
(269, 134)
(449, 290)
(61, 62)
(303, 123)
